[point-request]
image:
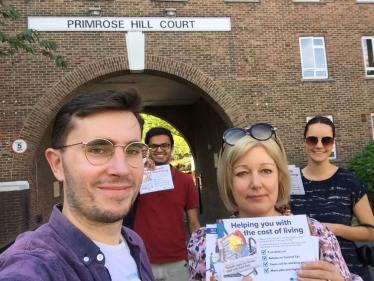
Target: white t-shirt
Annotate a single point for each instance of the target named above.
(119, 262)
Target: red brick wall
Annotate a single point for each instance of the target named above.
(15, 205)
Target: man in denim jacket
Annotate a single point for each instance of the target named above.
(98, 155)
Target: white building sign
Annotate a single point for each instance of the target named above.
(128, 24)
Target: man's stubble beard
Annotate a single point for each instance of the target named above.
(83, 204)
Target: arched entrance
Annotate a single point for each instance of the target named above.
(214, 99)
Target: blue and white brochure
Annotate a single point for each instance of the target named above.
(267, 249)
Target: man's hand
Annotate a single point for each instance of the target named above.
(319, 270)
(150, 164)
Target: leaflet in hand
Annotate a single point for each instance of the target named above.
(297, 187)
(157, 180)
(267, 249)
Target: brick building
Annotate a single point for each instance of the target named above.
(280, 62)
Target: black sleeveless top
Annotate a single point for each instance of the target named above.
(332, 201)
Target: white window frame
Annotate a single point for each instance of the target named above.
(314, 69)
(367, 68)
(333, 151)
(242, 1)
(372, 123)
(365, 1)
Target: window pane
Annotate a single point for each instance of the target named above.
(370, 52)
(370, 73)
(318, 42)
(321, 73)
(320, 58)
(307, 53)
(365, 46)
(307, 74)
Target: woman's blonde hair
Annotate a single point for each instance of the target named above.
(231, 154)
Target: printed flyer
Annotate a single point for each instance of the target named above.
(157, 180)
(297, 187)
(267, 249)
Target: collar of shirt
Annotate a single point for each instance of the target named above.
(80, 244)
(85, 249)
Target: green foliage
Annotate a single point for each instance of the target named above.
(28, 40)
(180, 145)
(183, 165)
(362, 165)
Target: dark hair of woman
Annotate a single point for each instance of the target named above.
(321, 120)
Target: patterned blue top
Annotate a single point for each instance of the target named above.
(332, 201)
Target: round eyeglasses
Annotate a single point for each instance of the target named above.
(100, 151)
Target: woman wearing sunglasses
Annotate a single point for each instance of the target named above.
(332, 194)
(253, 181)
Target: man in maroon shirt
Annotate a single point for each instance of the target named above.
(159, 215)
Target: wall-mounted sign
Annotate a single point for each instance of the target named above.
(128, 24)
(19, 146)
(14, 186)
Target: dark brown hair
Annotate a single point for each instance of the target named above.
(90, 103)
(321, 120)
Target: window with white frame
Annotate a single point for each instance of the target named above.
(313, 57)
(372, 123)
(333, 151)
(368, 48)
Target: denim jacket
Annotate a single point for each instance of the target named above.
(60, 251)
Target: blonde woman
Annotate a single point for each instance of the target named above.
(253, 181)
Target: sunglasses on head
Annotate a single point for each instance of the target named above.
(260, 131)
(326, 141)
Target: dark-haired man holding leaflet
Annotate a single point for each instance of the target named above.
(159, 215)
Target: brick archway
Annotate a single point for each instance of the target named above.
(47, 107)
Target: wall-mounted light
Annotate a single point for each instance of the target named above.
(95, 11)
(170, 12)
